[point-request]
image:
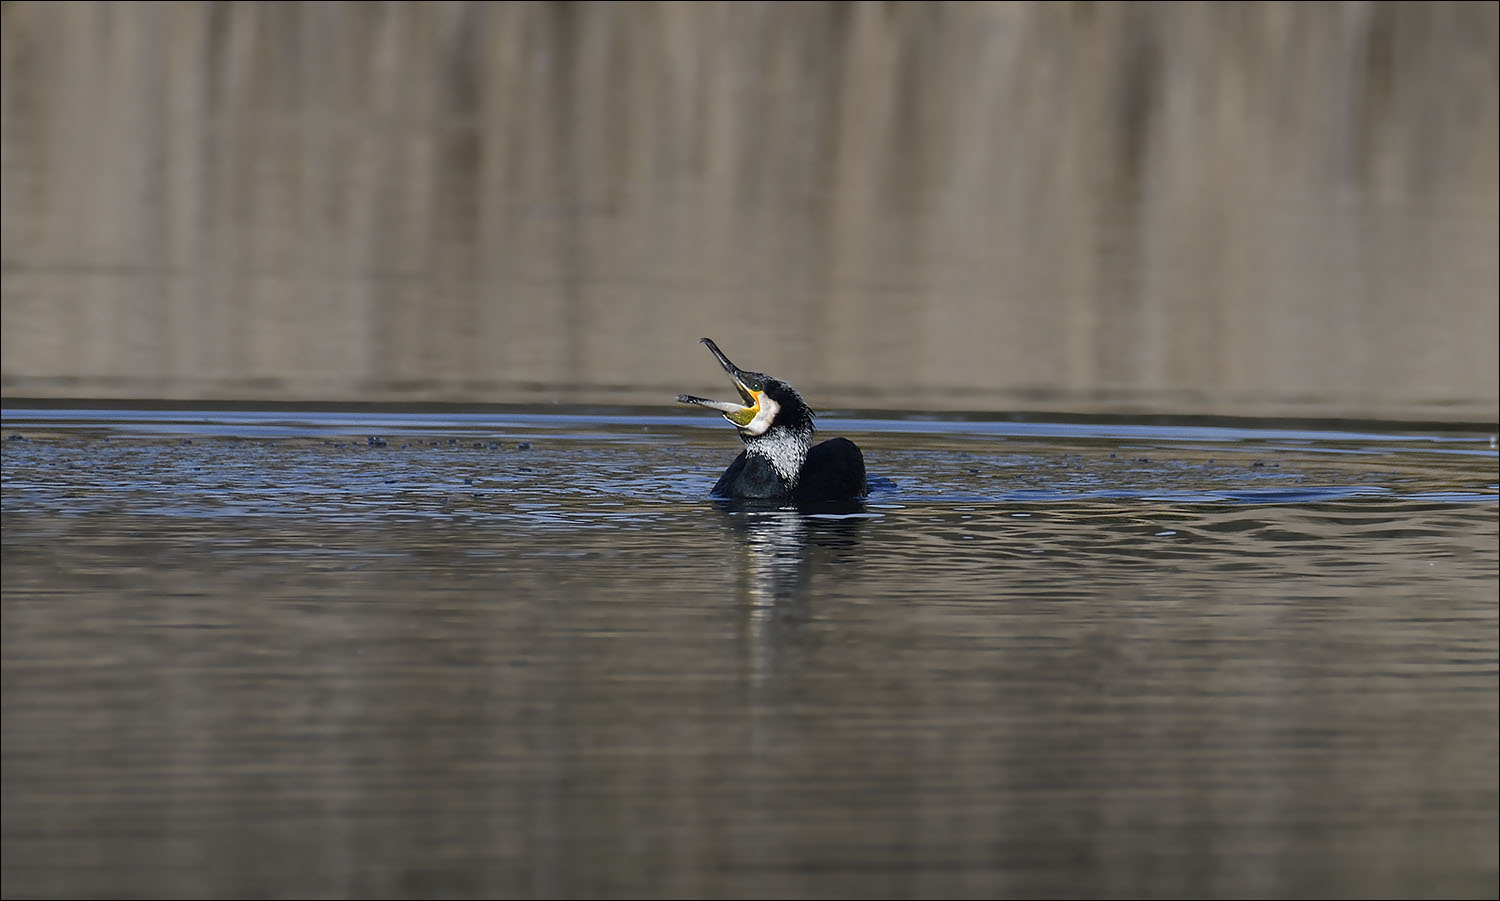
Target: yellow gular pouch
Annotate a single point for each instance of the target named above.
(746, 415)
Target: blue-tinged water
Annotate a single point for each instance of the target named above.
(313, 654)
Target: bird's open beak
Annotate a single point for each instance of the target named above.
(740, 415)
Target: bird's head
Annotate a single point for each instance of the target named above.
(770, 406)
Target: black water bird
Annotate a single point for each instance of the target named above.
(780, 462)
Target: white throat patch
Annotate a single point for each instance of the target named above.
(785, 450)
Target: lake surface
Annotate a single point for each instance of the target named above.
(312, 654)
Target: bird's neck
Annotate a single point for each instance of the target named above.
(783, 449)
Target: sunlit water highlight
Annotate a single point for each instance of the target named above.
(325, 654)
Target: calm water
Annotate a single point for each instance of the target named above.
(312, 655)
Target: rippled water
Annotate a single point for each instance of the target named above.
(297, 654)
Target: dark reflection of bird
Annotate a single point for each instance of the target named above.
(780, 462)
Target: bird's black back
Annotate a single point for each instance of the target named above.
(834, 471)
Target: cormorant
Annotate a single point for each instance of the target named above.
(780, 462)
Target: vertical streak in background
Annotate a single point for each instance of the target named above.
(1267, 209)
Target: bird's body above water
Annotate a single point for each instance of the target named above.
(833, 471)
(780, 463)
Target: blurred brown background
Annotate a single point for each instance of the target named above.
(1251, 209)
